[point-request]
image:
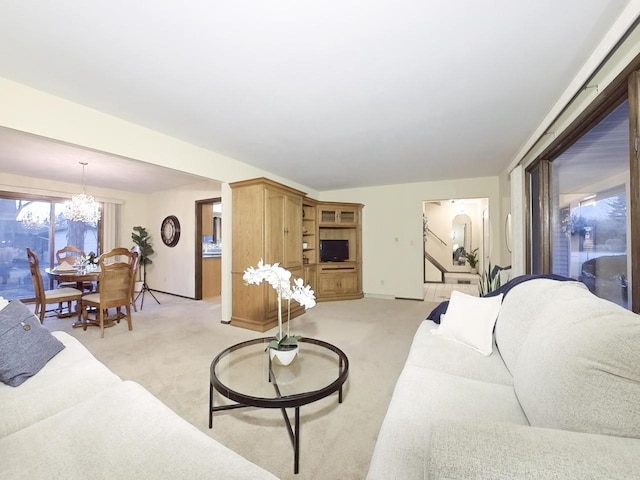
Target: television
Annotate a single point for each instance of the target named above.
(334, 250)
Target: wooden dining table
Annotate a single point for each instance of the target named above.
(79, 277)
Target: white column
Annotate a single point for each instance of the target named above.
(518, 227)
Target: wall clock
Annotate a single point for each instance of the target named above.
(170, 231)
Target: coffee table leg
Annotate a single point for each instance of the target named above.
(210, 405)
(340, 367)
(296, 446)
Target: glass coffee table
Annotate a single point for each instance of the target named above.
(244, 374)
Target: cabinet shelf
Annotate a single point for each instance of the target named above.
(309, 242)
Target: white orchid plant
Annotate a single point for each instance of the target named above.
(280, 279)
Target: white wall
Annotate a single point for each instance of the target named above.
(165, 274)
(39, 113)
(173, 269)
(574, 100)
(392, 229)
(131, 203)
(29, 110)
(392, 217)
(504, 254)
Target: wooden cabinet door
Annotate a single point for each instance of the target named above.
(328, 285)
(283, 229)
(327, 215)
(293, 232)
(337, 284)
(343, 216)
(274, 221)
(348, 283)
(309, 276)
(347, 216)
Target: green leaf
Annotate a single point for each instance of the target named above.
(289, 341)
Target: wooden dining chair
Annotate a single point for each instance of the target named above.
(45, 297)
(71, 254)
(114, 288)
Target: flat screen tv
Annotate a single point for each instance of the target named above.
(334, 250)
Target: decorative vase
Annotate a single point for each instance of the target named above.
(283, 357)
(474, 270)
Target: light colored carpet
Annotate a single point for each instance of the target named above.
(172, 345)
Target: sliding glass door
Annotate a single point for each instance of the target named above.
(580, 209)
(590, 185)
(36, 223)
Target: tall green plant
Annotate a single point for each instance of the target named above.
(142, 240)
(489, 281)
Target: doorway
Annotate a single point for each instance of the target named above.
(208, 261)
(453, 229)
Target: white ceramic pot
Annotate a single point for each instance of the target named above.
(283, 357)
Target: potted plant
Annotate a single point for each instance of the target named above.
(472, 259)
(284, 346)
(142, 241)
(489, 281)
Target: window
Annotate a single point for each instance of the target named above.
(586, 233)
(36, 223)
(590, 181)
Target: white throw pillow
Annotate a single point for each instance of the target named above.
(470, 320)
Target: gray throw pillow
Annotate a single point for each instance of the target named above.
(25, 345)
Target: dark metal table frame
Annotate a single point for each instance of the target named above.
(281, 402)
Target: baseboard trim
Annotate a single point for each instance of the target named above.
(380, 296)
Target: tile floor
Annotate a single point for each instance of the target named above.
(437, 292)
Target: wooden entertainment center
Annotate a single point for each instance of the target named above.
(282, 225)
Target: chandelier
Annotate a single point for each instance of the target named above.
(82, 207)
(33, 222)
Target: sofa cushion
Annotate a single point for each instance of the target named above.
(420, 398)
(435, 353)
(25, 345)
(519, 312)
(469, 320)
(68, 379)
(498, 450)
(579, 368)
(123, 432)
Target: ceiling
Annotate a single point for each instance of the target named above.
(32, 156)
(330, 94)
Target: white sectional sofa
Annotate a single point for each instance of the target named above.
(75, 419)
(559, 397)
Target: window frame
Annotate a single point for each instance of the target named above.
(53, 199)
(626, 86)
